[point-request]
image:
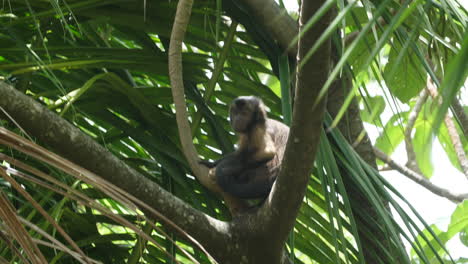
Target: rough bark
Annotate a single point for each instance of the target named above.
(283, 204)
(459, 112)
(276, 21)
(351, 127)
(452, 131)
(71, 143)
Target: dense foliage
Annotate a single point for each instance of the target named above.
(102, 65)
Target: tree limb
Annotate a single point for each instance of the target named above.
(413, 115)
(352, 128)
(71, 143)
(182, 17)
(420, 179)
(181, 20)
(276, 21)
(453, 133)
(459, 112)
(283, 203)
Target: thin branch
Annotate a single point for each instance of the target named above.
(182, 17)
(419, 179)
(413, 115)
(459, 112)
(452, 131)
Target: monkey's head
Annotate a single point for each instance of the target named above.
(247, 112)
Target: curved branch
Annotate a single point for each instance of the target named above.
(181, 20)
(419, 179)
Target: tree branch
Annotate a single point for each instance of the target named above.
(182, 17)
(459, 112)
(413, 115)
(352, 128)
(286, 197)
(419, 179)
(181, 20)
(276, 21)
(452, 131)
(74, 145)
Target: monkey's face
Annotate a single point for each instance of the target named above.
(246, 112)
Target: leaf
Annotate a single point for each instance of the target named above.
(358, 13)
(422, 143)
(392, 134)
(249, 64)
(403, 74)
(453, 80)
(464, 237)
(373, 108)
(427, 250)
(360, 54)
(446, 143)
(458, 225)
(459, 220)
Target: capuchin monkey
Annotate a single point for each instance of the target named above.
(250, 171)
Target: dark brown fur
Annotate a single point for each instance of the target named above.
(251, 170)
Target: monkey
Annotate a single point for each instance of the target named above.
(250, 171)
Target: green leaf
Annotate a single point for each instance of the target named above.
(373, 108)
(422, 143)
(360, 54)
(459, 220)
(404, 75)
(392, 135)
(454, 79)
(427, 250)
(464, 237)
(447, 145)
(249, 64)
